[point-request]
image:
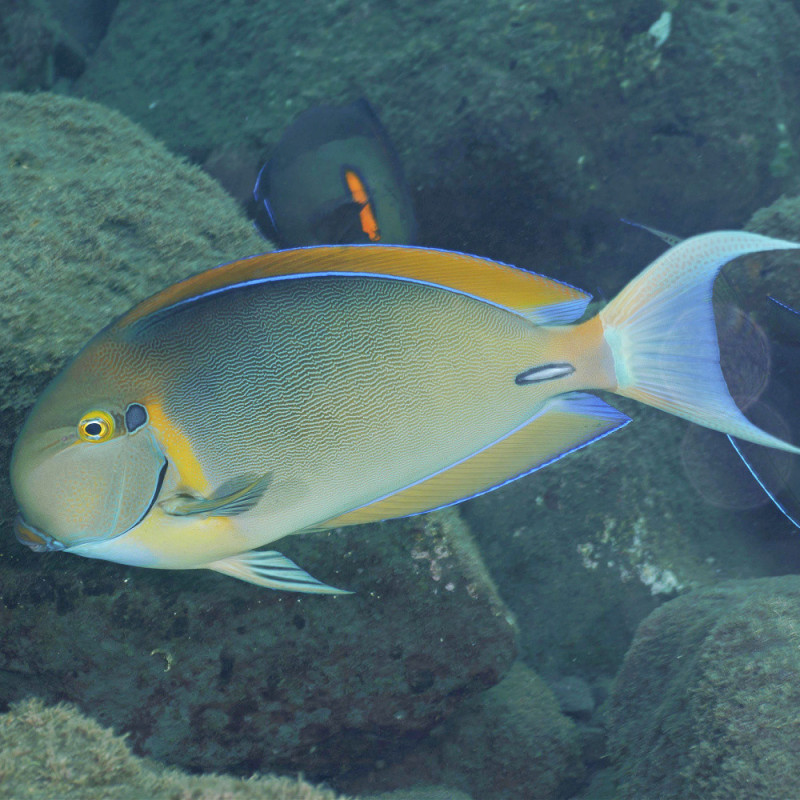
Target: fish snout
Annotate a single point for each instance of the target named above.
(37, 541)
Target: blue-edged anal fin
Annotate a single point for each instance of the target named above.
(270, 569)
(565, 423)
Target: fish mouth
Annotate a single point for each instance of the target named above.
(38, 541)
(41, 542)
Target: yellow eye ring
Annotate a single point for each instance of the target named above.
(96, 426)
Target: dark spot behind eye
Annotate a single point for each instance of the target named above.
(135, 417)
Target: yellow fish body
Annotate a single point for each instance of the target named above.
(313, 388)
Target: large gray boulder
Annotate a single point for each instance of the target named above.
(705, 705)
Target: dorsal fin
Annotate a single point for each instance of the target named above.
(541, 299)
(567, 422)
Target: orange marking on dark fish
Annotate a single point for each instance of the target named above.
(359, 194)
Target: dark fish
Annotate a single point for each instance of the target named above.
(334, 178)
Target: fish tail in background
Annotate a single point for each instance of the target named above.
(661, 331)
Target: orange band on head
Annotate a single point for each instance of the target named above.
(177, 447)
(359, 194)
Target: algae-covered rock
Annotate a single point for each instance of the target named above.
(94, 216)
(51, 752)
(207, 672)
(705, 705)
(508, 743)
(516, 741)
(523, 126)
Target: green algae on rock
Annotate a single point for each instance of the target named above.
(54, 751)
(705, 705)
(95, 215)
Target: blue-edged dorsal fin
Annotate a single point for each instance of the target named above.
(541, 299)
(270, 569)
(565, 423)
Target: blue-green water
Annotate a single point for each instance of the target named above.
(479, 652)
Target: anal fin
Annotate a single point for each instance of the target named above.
(567, 422)
(270, 569)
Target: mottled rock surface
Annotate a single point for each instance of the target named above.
(776, 274)
(94, 216)
(210, 673)
(51, 752)
(35, 49)
(705, 706)
(522, 126)
(510, 742)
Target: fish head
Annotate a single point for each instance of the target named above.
(86, 466)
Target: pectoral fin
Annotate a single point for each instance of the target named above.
(233, 497)
(272, 570)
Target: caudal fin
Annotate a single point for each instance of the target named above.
(661, 331)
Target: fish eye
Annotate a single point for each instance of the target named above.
(96, 426)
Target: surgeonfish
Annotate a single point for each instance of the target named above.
(312, 388)
(335, 178)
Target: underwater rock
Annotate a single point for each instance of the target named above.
(86, 21)
(213, 674)
(586, 548)
(94, 216)
(520, 744)
(508, 743)
(55, 751)
(574, 696)
(773, 276)
(705, 705)
(421, 793)
(35, 51)
(552, 119)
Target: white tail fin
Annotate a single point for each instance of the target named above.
(661, 331)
